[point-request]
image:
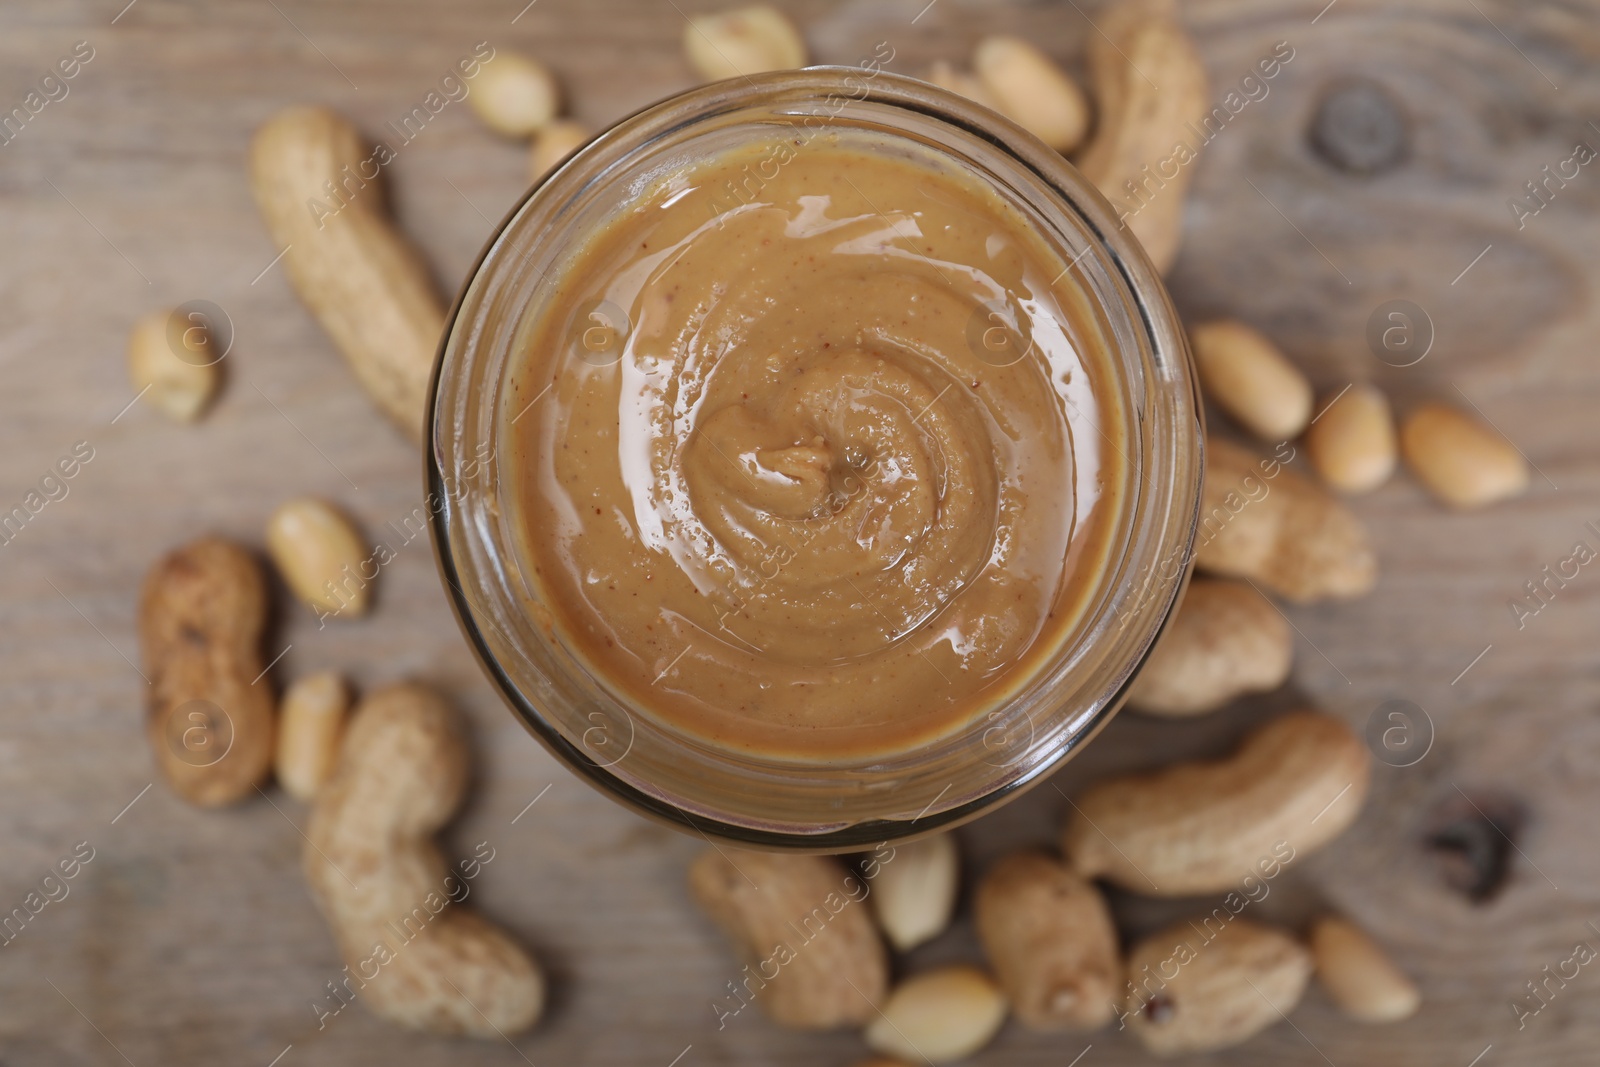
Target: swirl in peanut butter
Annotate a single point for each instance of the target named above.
(824, 467)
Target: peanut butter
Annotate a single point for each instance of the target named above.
(816, 448)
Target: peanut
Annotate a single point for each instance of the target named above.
(1141, 122)
(799, 915)
(960, 82)
(1250, 379)
(939, 1016)
(1352, 443)
(385, 889)
(179, 386)
(1297, 783)
(319, 553)
(310, 727)
(1225, 640)
(1358, 976)
(915, 894)
(554, 143)
(210, 712)
(362, 280)
(1461, 462)
(1049, 938)
(516, 95)
(745, 41)
(1032, 91)
(1262, 521)
(1231, 983)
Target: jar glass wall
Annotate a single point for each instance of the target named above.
(645, 760)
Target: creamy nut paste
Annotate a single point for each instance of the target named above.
(817, 452)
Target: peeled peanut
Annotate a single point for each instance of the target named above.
(515, 95)
(177, 385)
(1352, 443)
(320, 555)
(1225, 640)
(310, 727)
(745, 41)
(1048, 935)
(1460, 461)
(1297, 783)
(209, 711)
(1149, 88)
(1262, 521)
(939, 1016)
(1032, 91)
(812, 957)
(1250, 379)
(914, 894)
(1196, 988)
(554, 143)
(366, 285)
(946, 76)
(1358, 976)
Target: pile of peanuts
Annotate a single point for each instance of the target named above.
(1054, 958)
(383, 779)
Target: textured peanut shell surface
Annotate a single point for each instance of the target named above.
(1203, 827)
(1049, 938)
(1149, 85)
(209, 712)
(1199, 986)
(811, 944)
(1226, 640)
(364, 282)
(1262, 521)
(386, 890)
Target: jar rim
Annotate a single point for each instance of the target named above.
(461, 532)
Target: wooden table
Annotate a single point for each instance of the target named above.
(190, 938)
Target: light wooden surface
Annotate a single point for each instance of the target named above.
(190, 937)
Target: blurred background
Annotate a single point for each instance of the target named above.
(190, 936)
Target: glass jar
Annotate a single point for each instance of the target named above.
(665, 773)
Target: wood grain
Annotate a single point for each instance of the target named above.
(190, 937)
